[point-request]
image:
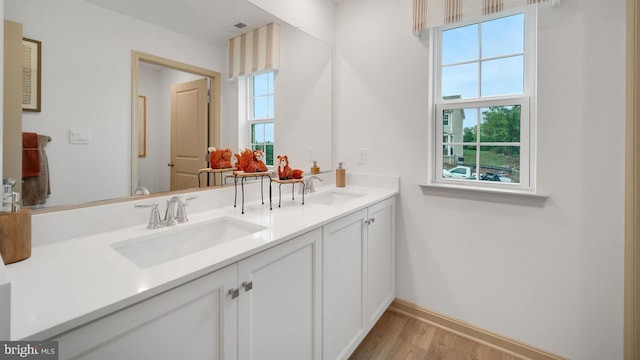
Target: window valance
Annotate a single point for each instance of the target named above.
(255, 51)
(432, 13)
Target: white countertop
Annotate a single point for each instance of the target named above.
(71, 282)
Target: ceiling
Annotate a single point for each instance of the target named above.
(209, 20)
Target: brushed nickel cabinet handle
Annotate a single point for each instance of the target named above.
(234, 293)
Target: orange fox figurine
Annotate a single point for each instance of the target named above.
(235, 162)
(285, 172)
(213, 157)
(251, 161)
(219, 159)
(246, 156)
(258, 158)
(225, 161)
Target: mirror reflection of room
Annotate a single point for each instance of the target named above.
(87, 90)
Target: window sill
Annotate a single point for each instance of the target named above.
(485, 194)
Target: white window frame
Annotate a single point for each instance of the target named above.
(251, 119)
(526, 100)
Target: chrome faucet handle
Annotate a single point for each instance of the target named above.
(181, 216)
(154, 218)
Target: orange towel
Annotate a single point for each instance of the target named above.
(30, 155)
(36, 189)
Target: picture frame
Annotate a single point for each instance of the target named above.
(31, 75)
(142, 126)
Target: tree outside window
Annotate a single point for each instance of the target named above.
(483, 94)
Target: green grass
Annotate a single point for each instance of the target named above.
(491, 158)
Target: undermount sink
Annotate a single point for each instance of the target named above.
(334, 197)
(167, 244)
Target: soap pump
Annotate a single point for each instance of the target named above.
(15, 226)
(10, 199)
(341, 175)
(314, 168)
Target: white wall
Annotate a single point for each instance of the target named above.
(149, 80)
(549, 274)
(86, 76)
(316, 17)
(303, 100)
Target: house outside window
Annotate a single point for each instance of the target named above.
(483, 100)
(452, 133)
(261, 114)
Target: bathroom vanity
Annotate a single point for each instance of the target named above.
(296, 282)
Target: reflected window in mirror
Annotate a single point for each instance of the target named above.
(261, 113)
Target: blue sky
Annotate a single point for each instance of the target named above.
(463, 47)
(263, 92)
(483, 60)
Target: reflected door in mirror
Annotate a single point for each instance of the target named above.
(189, 114)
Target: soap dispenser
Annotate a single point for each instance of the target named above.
(341, 175)
(10, 199)
(315, 169)
(15, 226)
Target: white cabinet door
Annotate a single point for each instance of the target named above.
(196, 320)
(380, 263)
(343, 321)
(279, 311)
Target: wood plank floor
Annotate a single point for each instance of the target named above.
(399, 336)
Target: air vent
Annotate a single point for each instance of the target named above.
(240, 25)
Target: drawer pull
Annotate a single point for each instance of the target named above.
(234, 293)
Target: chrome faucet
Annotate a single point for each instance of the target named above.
(309, 184)
(141, 191)
(172, 216)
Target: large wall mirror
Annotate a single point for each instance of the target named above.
(87, 85)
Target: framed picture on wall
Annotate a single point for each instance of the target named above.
(142, 126)
(31, 74)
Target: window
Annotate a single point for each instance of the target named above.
(261, 114)
(483, 101)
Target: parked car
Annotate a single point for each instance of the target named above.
(494, 177)
(459, 172)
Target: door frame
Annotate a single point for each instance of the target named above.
(214, 104)
(632, 187)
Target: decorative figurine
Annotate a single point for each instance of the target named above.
(251, 161)
(285, 172)
(219, 159)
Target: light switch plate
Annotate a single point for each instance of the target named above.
(363, 156)
(79, 136)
